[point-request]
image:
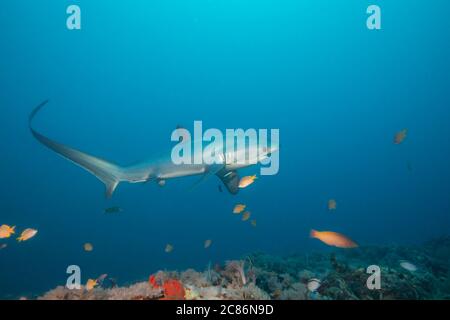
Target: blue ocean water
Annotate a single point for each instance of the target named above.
(337, 91)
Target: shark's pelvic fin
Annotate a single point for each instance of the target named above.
(109, 173)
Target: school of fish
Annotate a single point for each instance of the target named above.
(7, 231)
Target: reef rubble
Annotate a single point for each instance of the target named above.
(342, 275)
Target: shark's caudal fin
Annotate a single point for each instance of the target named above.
(109, 173)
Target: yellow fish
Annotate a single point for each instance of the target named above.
(91, 284)
(246, 216)
(88, 247)
(332, 204)
(6, 231)
(333, 239)
(253, 222)
(239, 208)
(27, 234)
(208, 243)
(169, 248)
(400, 136)
(246, 181)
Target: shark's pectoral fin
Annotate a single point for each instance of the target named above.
(209, 171)
(230, 179)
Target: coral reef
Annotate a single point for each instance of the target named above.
(340, 274)
(137, 291)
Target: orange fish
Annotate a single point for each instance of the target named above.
(400, 136)
(246, 215)
(239, 208)
(246, 181)
(27, 234)
(6, 231)
(333, 239)
(88, 247)
(91, 284)
(332, 204)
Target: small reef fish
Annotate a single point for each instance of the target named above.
(91, 284)
(169, 248)
(408, 266)
(102, 278)
(6, 231)
(88, 247)
(3, 246)
(113, 210)
(246, 181)
(313, 285)
(27, 234)
(253, 222)
(246, 215)
(333, 239)
(239, 208)
(332, 204)
(400, 136)
(208, 243)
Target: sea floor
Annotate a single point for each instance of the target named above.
(406, 272)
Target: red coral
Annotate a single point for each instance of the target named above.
(173, 290)
(152, 282)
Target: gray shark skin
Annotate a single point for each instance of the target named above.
(158, 170)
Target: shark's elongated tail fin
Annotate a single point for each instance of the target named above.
(109, 173)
